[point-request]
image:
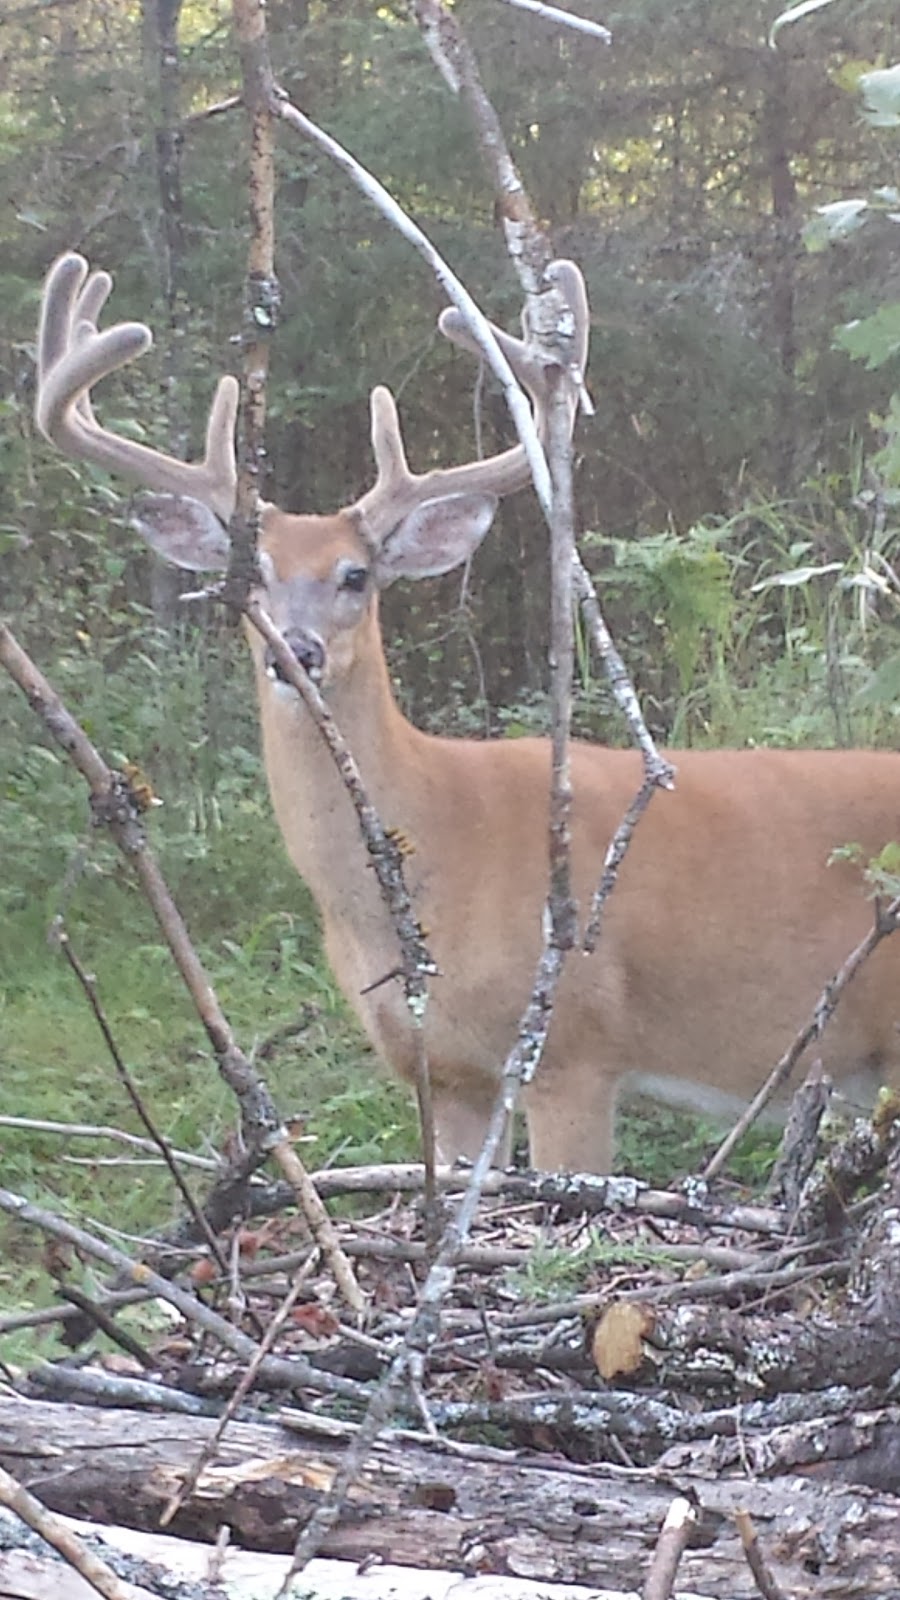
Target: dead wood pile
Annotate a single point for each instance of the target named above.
(742, 1356)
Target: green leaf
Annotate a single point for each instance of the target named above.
(875, 339)
(881, 97)
(833, 222)
(887, 460)
(883, 687)
(848, 73)
(796, 576)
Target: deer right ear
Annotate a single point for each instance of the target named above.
(436, 536)
(181, 530)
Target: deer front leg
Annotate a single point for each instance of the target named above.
(461, 1125)
(571, 1117)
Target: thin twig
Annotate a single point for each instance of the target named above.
(424, 1329)
(680, 1520)
(658, 771)
(321, 1226)
(265, 105)
(476, 322)
(386, 854)
(526, 1054)
(101, 1319)
(114, 805)
(88, 984)
(530, 254)
(92, 1130)
(248, 1378)
(613, 858)
(766, 1583)
(261, 300)
(561, 905)
(550, 324)
(48, 1315)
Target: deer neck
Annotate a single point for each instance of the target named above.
(312, 806)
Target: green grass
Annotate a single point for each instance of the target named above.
(659, 1144)
(267, 973)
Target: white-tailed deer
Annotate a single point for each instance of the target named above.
(727, 919)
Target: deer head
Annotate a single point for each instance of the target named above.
(321, 574)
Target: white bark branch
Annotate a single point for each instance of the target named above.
(565, 19)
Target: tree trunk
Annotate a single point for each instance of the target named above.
(160, 47)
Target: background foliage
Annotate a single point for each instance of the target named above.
(739, 481)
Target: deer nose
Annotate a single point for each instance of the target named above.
(308, 649)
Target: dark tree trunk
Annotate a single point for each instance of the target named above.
(160, 31)
(784, 253)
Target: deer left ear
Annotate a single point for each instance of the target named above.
(436, 536)
(184, 531)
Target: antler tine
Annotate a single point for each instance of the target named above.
(521, 354)
(73, 356)
(84, 320)
(397, 490)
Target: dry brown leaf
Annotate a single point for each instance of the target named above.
(618, 1342)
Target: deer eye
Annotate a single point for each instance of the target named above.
(355, 579)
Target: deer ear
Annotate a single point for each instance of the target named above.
(436, 536)
(182, 530)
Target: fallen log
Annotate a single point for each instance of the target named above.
(180, 1569)
(454, 1508)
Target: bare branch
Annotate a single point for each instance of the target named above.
(248, 1378)
(91, 1130)
(763, 1577)
(295, 1370)
(681, 1518)
(425, 1327)
(261, 300)
(530, 252)
(89, 989)
(565, 19)
(386, 854)
(476, 321)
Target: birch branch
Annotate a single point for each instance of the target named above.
(261, 300)
(530, 255)
(408, 1364)
(563, 19)
(476, 321)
